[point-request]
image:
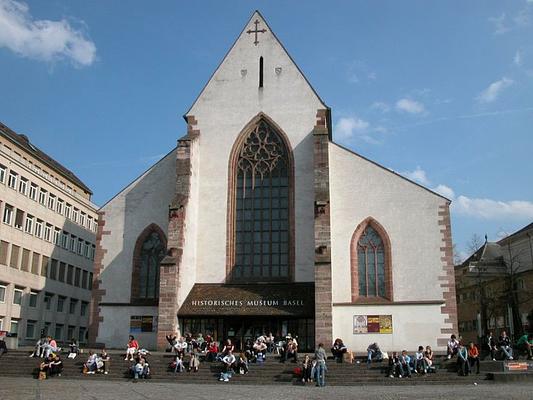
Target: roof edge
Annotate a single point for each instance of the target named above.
(391, 171)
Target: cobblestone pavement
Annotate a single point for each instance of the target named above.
(63, 389)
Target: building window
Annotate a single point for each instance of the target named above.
(262, 173)
(8, 214)
(47, 232)
(139, 324)
(77, 277)
(86, 246)
(4, 251)
(84, 279)
(44, 266)
(59, 206)
(2, 173)
(370, 262)
(17, 296)
(70, 275)
(80, 247)
(81, 336)
(72, 243)
(19, 219)
(14, 328)
(28, 227)
(23, 186)
(82, 219)
(33, 191)
(60, 303)
(62, 269)
(30, 329)
(42, 196)
(33, 299)
(149, 250)
(25, 264)
(83, 308)
(53, 269)
(57, 236)
(75, 214)
(72, 308)
(15, 253)
(48, 301)
(51, 202)
(3, 289)
(68, 210)
(35, 263)
(12, 180)
(39, 228)
(90, 287)
(64, 240)
(58, 332)
(70, 332)
(46, 328)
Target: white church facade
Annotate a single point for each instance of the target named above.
(258, 221)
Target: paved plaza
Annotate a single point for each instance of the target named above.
(63, 389)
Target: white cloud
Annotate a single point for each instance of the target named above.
(43, 40)
(347, 127)
(492, 92)
(499, 24)
(380, 106)
(481, 208)
(445, 191)
(517, 59)
(418, 175)
(492, 209)
(410, 106)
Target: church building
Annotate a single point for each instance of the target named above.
(258, 221)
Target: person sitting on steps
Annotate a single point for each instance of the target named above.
(505, 345)
(373, 352)
(473, 357)
(338, 349)
(453, 347)
(132, 348)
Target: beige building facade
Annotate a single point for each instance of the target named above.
(47, 244)
(495, 288)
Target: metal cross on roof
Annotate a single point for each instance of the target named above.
(256, 31)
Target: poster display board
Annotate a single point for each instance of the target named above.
(372, 324)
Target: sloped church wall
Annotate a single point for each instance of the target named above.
(145, 201)
(410, 216)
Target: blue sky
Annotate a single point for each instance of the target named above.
(439, 91)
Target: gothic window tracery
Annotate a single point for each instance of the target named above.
(262, 218)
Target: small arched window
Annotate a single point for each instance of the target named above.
(371, 267)
(150, 249)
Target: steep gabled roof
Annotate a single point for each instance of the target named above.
(256, 15)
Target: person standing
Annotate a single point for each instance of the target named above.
(320, 369)
(492, 345)
(462, 361)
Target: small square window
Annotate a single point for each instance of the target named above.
(17, 296)
(33, 299)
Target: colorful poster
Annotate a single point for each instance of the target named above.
(372, 324)
(385, 324)
(359, 324)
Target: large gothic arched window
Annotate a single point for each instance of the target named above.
(261, 178)
(149, 250)
(371, 268)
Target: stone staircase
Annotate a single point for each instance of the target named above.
(17, 363)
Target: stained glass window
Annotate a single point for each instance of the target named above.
(152, 252)
(371, 263)
(262, 207)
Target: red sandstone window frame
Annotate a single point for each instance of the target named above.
(232, 188)
(136, 265)
(354, 262)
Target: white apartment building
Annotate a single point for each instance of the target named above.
(47, 244)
